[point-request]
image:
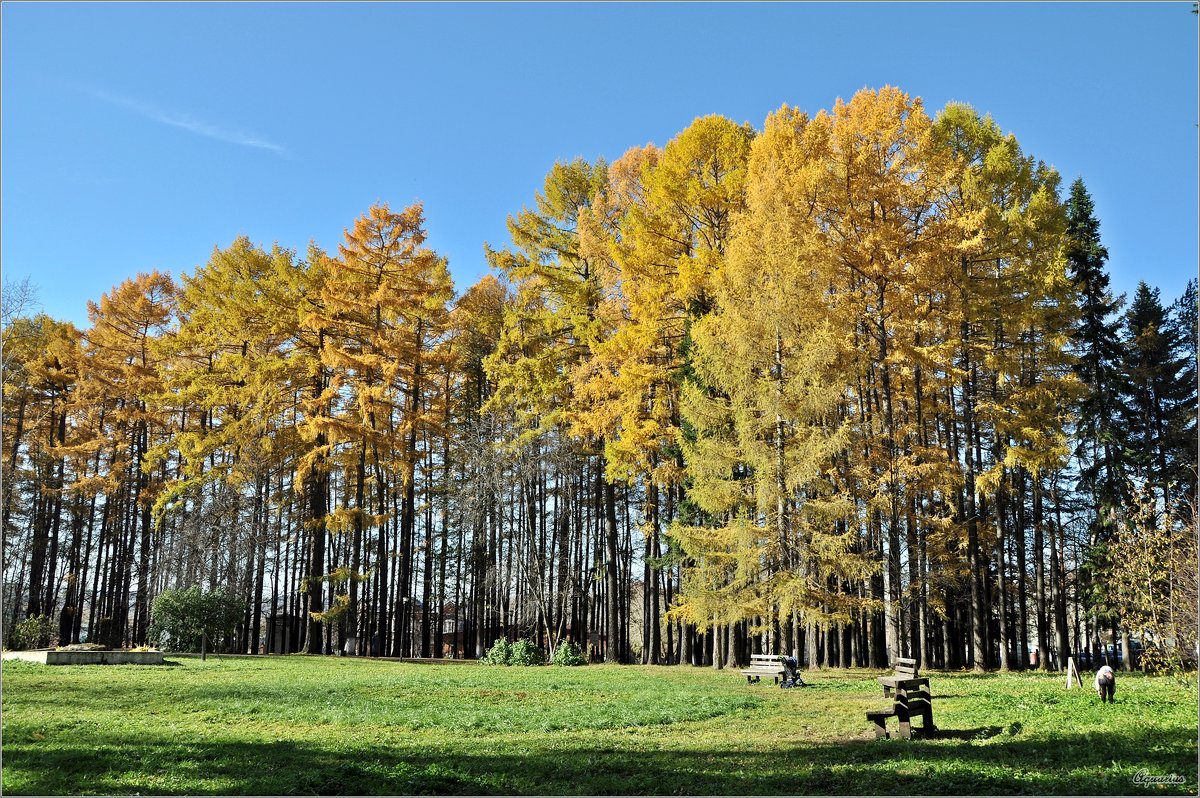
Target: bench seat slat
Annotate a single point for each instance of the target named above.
(909, 680)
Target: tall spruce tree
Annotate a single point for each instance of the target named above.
(1182, 432)
(1097, 346)
(1153, 393)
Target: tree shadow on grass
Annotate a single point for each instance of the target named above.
(981, 733)
(949, 763)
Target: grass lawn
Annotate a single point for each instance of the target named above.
(288, 725)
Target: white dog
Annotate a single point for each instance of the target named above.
(1106, 684)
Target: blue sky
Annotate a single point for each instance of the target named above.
(139, 136)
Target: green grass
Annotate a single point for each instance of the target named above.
(300, 725)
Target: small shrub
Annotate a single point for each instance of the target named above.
(499, 654)
(179, 619)
(33, 632)
(84, 647)
(524, 652)
(568, 654)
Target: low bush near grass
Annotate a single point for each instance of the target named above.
(522, 652)
(499, 654)
(33, 632)
(567, 654)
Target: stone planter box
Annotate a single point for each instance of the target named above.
(47, 657)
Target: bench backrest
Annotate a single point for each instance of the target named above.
(765, 659)
(906, 668)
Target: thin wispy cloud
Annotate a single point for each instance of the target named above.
(188, 123)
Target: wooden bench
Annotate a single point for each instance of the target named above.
(912, 698)
(764, 665)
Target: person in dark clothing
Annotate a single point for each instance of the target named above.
(1106, 684)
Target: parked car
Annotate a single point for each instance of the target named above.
(1116, 656)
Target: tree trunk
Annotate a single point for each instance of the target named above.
(612, 652)
(317, 498)
(1002, 573)
(1039, 575)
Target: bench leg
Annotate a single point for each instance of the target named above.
(924, 709)
(880, 728)
(905, 722)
